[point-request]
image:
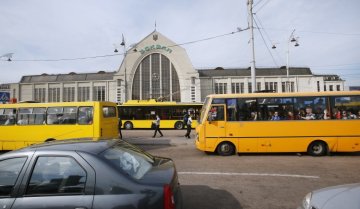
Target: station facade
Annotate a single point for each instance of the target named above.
(158, 68)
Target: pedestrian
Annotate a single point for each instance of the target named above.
(119, 127)
(157, 126)
(188, 127)
(186, 116)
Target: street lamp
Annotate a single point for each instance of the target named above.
(123, 44)
(291, 39)
(8, 56)
(125, 53)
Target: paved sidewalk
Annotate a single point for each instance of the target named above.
(170, 138)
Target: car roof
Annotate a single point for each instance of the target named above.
(82, 144)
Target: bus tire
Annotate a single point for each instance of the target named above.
(317, 148)
(225, 149)
(179, 125)
(49, 140)
(128, 125)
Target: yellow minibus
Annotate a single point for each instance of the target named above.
(141, 113)
(23, 124)
(317, 123)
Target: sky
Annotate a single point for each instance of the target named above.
(38, 31)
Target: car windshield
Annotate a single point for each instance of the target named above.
(131, 160)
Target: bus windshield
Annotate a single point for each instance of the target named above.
(203, 109)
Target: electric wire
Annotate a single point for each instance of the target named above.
(257, 3)
(121, 54)
(267, 47)
(318, 32)
(267, 35)
(262, 6)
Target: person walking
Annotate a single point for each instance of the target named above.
(188, 127)
(119, 127)
(157, 126)
(185, 119)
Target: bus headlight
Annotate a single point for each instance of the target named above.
(197, 136)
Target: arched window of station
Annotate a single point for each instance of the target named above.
(156, 77)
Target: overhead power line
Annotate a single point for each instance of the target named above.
(337, 65)
(121, 54)
(262, 6)
(267, 47)
(319, 32)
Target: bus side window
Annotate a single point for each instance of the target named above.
(54, 115)
(85, 115)
(216, 113)
(38, 116)
(109, 112)
(7, 116)
(69, 115)
(24, 116)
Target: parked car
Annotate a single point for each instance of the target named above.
(87, 174)
(342, 196)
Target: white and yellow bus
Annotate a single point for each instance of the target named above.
(316, 123)
(141, 113)
(23, 124)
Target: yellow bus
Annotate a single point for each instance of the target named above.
(141, 113)
(23, 124)
(316, 123)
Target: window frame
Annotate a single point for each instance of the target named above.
(89, 188)
(19, 176)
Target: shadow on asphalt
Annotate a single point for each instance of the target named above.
(152, 147)
(200, 196)
(333, 154)
(295, 154)
(150, 144)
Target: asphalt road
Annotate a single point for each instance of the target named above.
(256, 181)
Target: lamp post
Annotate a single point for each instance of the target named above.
(253, 72)
(132, 46)
(291, 39)
(125, 53)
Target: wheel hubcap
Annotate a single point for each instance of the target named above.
(225, 148)
(317, 149)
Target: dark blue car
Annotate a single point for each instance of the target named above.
(85, 174)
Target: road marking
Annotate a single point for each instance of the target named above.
(249, 174)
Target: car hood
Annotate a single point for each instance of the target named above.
(342, 196)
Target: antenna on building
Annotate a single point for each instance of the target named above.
(155, 25)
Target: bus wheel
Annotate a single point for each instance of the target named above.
(179, 125)
(49, 140)
(225, 149)
(317, 148)
(128, 125)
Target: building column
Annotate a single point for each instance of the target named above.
(91, 91)
(246, 85)
(229, 86)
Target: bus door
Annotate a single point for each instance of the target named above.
(109, 122)
(215, 125)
